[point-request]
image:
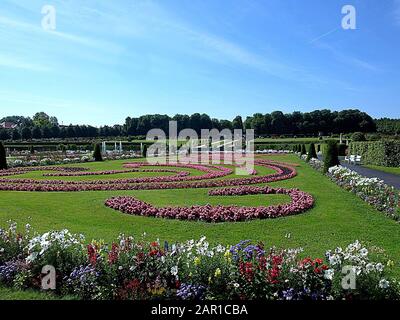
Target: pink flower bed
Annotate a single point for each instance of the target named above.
(300, 202)
(211, 173)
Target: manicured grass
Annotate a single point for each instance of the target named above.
(338, 217)
(13, 294)
(393, 170)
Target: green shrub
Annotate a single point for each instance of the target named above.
(97, 153)
(380, 153)
(358, 136)
(331, 155)
(342, 149)
(3, 157)
(144, 151)
(303, 149)
(311, 152)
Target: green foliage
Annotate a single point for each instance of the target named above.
(311, 152)
(303, 149)
(388, 126)
(31, 150)
(380, 153)
(3, 157)
(144, 151)
(331, 155)
(358, 136)
(342, 149)
(97, 153)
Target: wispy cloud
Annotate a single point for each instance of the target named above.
(18, 63)
(349, 59)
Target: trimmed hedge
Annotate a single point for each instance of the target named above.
(380, 153)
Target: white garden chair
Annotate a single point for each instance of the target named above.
(357, 160)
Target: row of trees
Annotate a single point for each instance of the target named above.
(311, 123)
(275, 123)
(388, 126)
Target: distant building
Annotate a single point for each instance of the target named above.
(8, 125)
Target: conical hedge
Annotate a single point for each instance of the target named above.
(311, 152)
(331, 157)
(97, 153)
(3, 157)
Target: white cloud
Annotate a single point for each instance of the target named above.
(18, 63)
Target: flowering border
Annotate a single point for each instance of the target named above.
(300, 202)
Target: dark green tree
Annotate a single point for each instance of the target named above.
(3, 157)
(16, 135)
(331, 158)
(311, 152)
(303, 149)
(97, 153)
(144, 151)
(358, 136)
(32, 150)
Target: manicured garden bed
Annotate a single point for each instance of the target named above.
(336, 219)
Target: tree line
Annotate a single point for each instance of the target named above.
(312, 123)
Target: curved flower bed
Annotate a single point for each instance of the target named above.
(211, 175)
(300, 201)
(138, 269)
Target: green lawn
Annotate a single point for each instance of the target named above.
(392, 170)
(13, 294)
(338, 217)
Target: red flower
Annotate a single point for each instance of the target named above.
(92, 254)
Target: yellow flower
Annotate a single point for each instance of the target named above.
(197, 261)
(228, 255)
(390, 263)
(217, 272)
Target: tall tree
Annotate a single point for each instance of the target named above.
(3, 157)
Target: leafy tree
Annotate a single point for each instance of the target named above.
(32, 150)
(331, 158)
(16, 135)
(237, 123)
(3, 157)
(26, 133)
(358, 136)
(36, 133)
(311, 152)
(41, 119)
(97, 153)
(4, 135)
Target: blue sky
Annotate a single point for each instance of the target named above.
(110, 59)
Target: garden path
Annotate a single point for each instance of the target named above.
(389, 178)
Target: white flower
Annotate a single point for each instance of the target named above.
(236, 285)
(369, 267)
(174, 270)
(364, 252)
(120, 268)
(384, 284)
(379, 267)
(333, 260)
(329, 274)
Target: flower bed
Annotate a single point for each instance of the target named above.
(300, 202)
(211, 173)
(374, 191)
(138, 269)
